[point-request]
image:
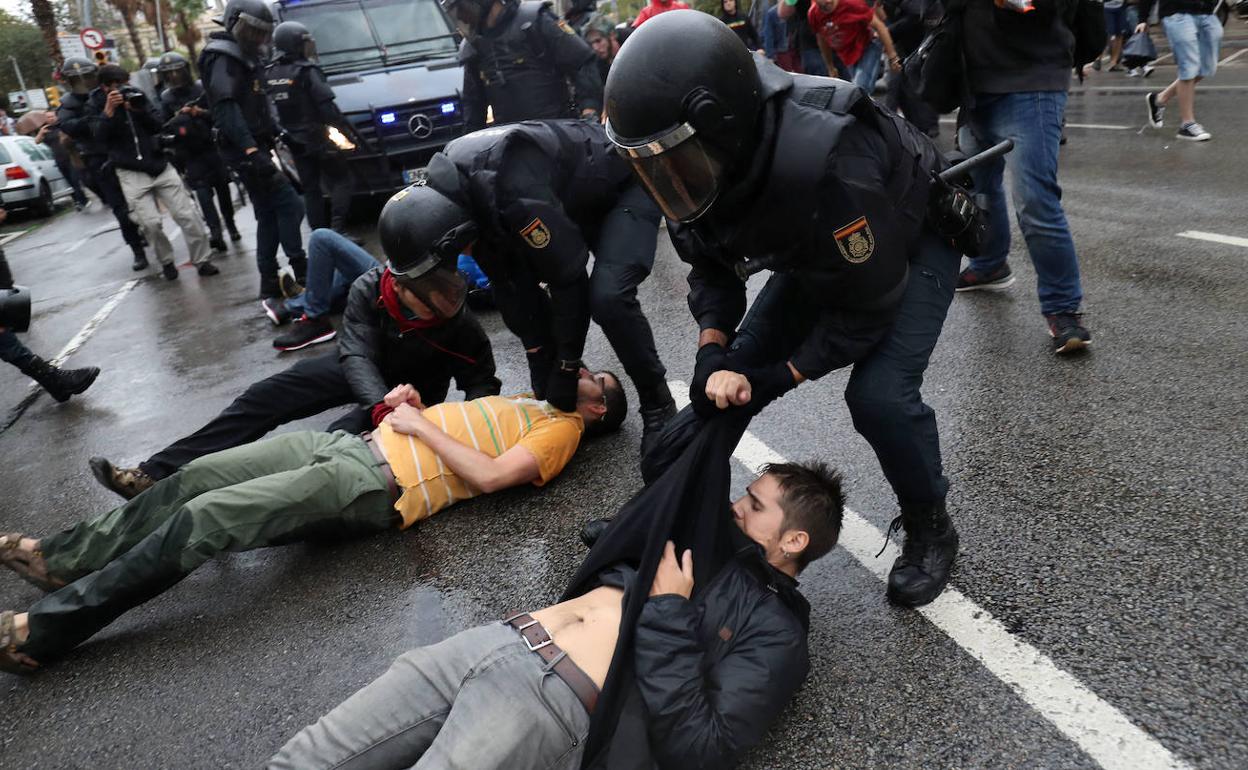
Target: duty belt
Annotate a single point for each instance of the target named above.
(538, 641)
(383, 465)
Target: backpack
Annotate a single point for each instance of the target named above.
(937, 68)
(1088, 25)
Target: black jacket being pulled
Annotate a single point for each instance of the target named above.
(130, 134)
(837, 196)
(376, 356)
(539, 192)
(1010, 52)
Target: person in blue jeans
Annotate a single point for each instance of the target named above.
(1019, 71)
(1195, 35)
(334, 262)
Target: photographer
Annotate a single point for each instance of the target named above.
(128, 123)
(194, 152)
(15, 317)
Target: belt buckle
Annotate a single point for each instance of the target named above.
(534, 648)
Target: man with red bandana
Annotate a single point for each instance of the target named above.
(656, 7)
(388, 337)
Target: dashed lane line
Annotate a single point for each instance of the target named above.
(1233, 57)
(71, 347)
(13, 236)
(1229, 240)
(1103, 732)
(1096, 126)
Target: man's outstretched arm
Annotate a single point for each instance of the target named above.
(512, 468)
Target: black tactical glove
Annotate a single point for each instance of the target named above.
(712, 358)
(540, 363)
(561, 385)
(260, 164)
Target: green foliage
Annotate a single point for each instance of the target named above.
(23, 41)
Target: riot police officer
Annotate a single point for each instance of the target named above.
(518, 59)
(806, 177)
(231, 68)
(75, 119)
(194, 152)
(533, 199)
(305, 105)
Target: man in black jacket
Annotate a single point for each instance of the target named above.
(717, 651)
(129, 124)
(383, 344)
(533, 200)
(74, 120)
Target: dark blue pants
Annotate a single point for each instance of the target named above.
(334, 262)
(883, 393)
(279, 215)
(12, 351)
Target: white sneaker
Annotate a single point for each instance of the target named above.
(1194, 132)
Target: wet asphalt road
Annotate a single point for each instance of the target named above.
(1100, 499)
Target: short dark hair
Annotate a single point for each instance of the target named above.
(113, 73)
(616, 402)
(812, 501)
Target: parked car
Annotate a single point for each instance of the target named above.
(30, 177)
(394, 69)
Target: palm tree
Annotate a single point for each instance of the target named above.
(45, 18)
(127, 9)
(149, 12)
(185, 14)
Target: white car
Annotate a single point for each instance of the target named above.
(29, 177)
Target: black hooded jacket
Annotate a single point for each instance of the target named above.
(376, 356)
(130, 135)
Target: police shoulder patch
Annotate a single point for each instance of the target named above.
(855, 241)
(536, 234)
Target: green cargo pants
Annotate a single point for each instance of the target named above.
(296, 486)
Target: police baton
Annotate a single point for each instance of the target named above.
(957, 170)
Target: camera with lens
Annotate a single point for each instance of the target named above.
(134, 96)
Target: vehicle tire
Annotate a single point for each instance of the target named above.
(45, 205)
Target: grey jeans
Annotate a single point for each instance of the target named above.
(476, 701)
(143, 190)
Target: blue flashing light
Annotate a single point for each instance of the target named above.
(448, 108)
(387, 118)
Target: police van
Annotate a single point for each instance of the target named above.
(395, 74)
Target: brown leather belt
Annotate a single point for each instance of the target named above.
(383, 465)
(539, 641)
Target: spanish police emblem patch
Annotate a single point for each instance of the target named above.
(536, 234)
(855, 241)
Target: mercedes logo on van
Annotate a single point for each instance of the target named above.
(420, 126)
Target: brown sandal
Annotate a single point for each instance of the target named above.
(29, 566)
(11, 660)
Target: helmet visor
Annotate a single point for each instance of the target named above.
(252, 34)
(681, 172)
(441, 290)
(309, 49)
(179, 77)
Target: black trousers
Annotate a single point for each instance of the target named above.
(206, 187)
(308, 388)
(106, 184)
(317, 173)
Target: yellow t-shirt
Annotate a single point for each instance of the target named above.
(491, 425)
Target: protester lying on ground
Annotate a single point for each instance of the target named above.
(389, 336)
(715, 654)
(297, 486)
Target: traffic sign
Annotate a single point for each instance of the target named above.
(92, 38)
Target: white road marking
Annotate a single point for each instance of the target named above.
(1230, 240)
(1233, 56)
(13, 236)
(1101, 730)
(1163, 57)
(1097, 126)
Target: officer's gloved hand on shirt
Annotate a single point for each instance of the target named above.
(711, 358)
(561, 385)
(540, 363)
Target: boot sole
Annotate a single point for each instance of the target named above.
(994, 286)
(314, 341)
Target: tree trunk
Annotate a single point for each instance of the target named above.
(45, 18)
(127, 17)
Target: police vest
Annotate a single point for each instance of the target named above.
(520, 81)
(174, 99)
(288, 87)
(247, 91)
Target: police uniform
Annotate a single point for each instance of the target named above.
(74, 118)
(243, 117)
(195, 154)
(305, 106)
(521, 67)
(545, 194)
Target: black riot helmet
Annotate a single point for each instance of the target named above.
(683, 99)
(80, 75)
(250, 22)
(422, 233)
(175, 70)
(292, 39)
(468, 15)
(15, 308)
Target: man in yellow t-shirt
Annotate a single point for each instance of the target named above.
(296, 486)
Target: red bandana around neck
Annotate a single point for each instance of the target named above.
(390, 301)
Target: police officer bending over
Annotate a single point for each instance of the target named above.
(74, 117)
(194, 152)
(305, 104)
(535, 198)
(518, 58)
(232, 71)
(807, 178)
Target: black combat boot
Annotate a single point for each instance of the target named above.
(235, 235)
(657, 407)
(921, 572)
(299, 266)
(270, 287)
(60, 383)
(140, 259)
(215, 241)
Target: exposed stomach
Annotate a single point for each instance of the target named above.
(586, 628)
